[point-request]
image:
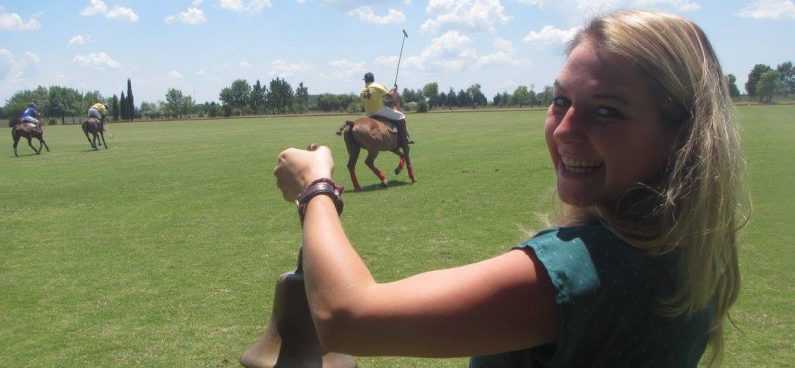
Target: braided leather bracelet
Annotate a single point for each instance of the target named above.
(320, 186)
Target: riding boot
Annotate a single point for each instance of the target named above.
(403, 132)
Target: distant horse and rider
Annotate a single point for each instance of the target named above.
(374, 136)
(97, 129)
(28, 131)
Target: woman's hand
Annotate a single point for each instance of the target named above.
(297, 168)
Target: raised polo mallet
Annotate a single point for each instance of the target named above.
(405, 36)
(290, 338)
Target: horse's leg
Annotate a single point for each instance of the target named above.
(402, 161)
(102, 134)
(41, 141)
(31, 145)
(353, 156)
(16, 141)
(370, 162)
(407, 157)
(89, 138)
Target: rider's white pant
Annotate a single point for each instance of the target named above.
(94, 113)
(390, 114)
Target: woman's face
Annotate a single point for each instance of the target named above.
(603, 130)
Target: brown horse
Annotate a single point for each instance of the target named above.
(374, 136)
(26, 130)
(97, 130)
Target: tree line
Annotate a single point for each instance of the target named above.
(279, 97)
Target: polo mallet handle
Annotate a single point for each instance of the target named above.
(405, 36)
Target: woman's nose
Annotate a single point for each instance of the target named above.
(569, 130)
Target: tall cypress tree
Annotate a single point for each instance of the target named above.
(124, 107)
(114, 105)
(130, 101)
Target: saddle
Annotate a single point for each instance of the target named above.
(390, 124)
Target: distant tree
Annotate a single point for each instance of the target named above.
(787, 77)
(212, 109)
(452, 99)
(240, 92)
(476, 96)
(431, 92)
(258, 100)
(130, 101)
(506, 98)
(124, 107)
(281, 96)
(62, 101)
(731, 80)
(462, 99)
(753, 78)
(174, 103)
(442, 100)
(545, 98)
(768, 85)
(521, 96)
(150, 110)
(302, 97)
(114, 107)
(497, 100)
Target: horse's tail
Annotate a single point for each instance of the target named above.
(347, 123)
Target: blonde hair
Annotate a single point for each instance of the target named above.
(697, 206)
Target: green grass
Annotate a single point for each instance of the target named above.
(164, 249)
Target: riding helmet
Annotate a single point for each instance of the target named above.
(368, 78)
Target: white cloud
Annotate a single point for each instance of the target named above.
(123, 14)
(284, 69)
(80, 40)
(538, 3)
(476, 14)
(117, 13)
(367, 14)
(503, 55)
(245, 64)
(769, 9)
(193, 15)
(550, 35)
(345, 70)
(31, 57)
(99, 60)
(451, 51)
(13, 22)
(240, 6)
(683, 5)
(95, 7)
(346, 64)
(200, 72)
(13, 68)
(597, 6)
(174, 75)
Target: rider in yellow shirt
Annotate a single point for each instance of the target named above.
(373, 95)
(97, 111)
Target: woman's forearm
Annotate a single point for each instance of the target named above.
(334, 273)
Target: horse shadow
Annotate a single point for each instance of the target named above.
(375, 187)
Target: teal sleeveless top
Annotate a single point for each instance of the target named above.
(606, 292)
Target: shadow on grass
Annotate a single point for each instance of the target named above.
(25, 155)
(375, 187)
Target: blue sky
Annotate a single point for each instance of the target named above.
(200, 46)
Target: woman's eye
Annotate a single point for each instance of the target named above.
(561, 102)
(608, 112)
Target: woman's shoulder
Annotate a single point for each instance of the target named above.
(596, 258)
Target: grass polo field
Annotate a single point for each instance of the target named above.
(164, 250)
